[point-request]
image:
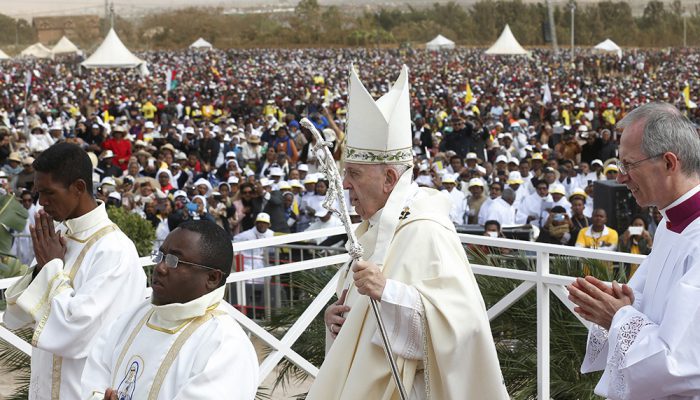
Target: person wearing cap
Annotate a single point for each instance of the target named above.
(13, 168)
(105, 166)
(608, 148)
(254, 258)
(133, 359)
(558, 193)
(610, 172)
(251, 151)
(534, 209)
(476, 199)
(651, 323)
(407, 230)
(86, 272)
(25, 178)
(459, 214)
(120, 147)
(579, 220)
(38, 139)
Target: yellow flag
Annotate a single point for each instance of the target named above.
(686, 95)
(469, 96)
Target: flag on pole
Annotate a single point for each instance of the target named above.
(547, 95)
(469, 96)
(170, 81)
(27, 82)
(686, 96)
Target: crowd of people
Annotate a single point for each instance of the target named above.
(517, 141)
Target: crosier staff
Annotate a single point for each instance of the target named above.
(335, 192)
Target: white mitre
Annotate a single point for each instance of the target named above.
(379, 132)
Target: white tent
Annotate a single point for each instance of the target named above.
(506, 44)
(65, 46)
(112, 54)
(201, 44)
(609, 46)
(440, 42)
(3, 55)
(37, 50)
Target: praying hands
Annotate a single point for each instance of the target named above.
(596, 301)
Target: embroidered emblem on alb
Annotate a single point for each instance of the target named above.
(127, 387)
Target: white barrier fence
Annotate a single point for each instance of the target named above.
(541, 280)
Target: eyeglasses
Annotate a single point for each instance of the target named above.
(171, 260)
(624, 168)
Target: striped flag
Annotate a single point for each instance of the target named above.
(170, 82)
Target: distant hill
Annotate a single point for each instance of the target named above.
(133, 8)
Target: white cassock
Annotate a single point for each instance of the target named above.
(67, 303)
(332, 222)
(534, 205)
(460, 208)
(484, 211)
(180, 351)
(253, 258)
(502, 212)
(564, 203)
(652, 350)
(431, 305)
(22, 246)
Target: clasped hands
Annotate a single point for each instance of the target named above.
(596, 301)
(48, 244)
(369, 281)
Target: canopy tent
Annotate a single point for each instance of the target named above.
(439, 43)
(65, 46)
(608, 45)
(507, 44)
(3, 55)
(37, 50)
(112, 54)
(201, 44)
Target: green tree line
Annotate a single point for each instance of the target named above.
(659, 25)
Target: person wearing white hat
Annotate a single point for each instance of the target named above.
(253, 258)
(534, 209)
(407, 231)
(558, 193)
(86, 273)
(459, 214)
(476, 199)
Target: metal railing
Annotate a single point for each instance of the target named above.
(540, 280)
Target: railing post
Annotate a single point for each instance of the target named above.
(542, 327)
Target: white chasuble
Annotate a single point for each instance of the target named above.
(456, 357)
(178, 351)
(652, 350)
(69, 301)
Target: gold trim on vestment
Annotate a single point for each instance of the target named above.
(45, 298)
(130, 340)
(176, 329)
(71, 237)
(40, 325)
(175, 350)
(89, 242)
(56, 377)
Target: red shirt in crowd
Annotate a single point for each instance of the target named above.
(121, 149)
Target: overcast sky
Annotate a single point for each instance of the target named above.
(32, 8)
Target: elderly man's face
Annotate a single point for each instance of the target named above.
(366, 184)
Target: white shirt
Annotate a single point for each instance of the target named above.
(651, 350)
(502, 212)
(67, 303)
(459, 214)
(216, 359)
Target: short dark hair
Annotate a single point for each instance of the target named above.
(493, 222)
(214, 245)
(66, 163)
